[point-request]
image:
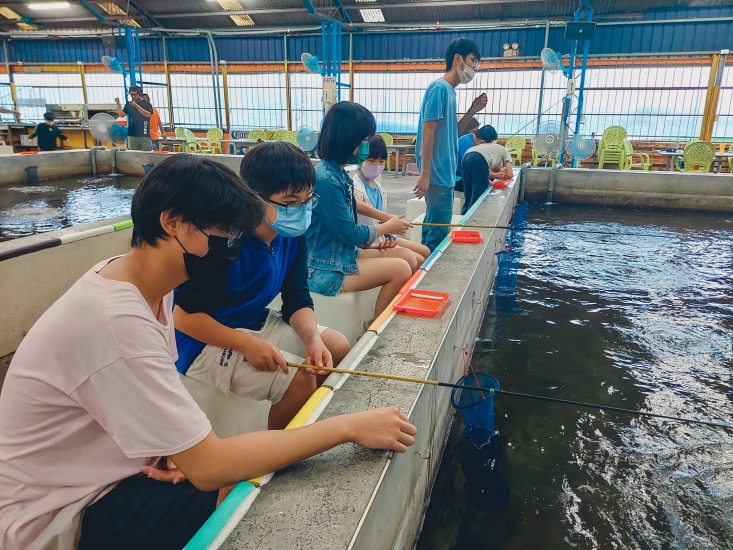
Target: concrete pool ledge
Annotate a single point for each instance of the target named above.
(354, 498)
(634, 188)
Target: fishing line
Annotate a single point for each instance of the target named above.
(514, 394)
(522, 228)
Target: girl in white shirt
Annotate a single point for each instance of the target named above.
(371, 201)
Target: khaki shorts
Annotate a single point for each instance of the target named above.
(228, 370)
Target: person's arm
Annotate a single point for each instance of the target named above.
(335, 209)
(146, 111)
(35, 132)
(508, 169)
(120, 111)
(11, 112)
(368, 210)
(426, 149)
(163, 135)
(261, 354)
(59, 135)
(216, 463)
(478, 104)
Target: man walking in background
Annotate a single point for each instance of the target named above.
(436, 148)
(157, 132)
(139, 112)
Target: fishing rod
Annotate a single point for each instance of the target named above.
(512, 394)
(560, 229)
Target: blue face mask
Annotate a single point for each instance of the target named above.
(291, 225)
(361, 155)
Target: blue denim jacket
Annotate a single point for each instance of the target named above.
(334, 235)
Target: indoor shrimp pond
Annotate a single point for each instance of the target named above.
(65, 202)
(636, 321)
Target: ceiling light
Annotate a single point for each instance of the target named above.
(7, 13)
(364, 1)
(372, 16)
(49, 6)
(111, 8)
(242, 20)
(230, 5)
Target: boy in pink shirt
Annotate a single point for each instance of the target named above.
(92, 397)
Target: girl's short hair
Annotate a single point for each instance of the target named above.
(377, 148)
(345, 126)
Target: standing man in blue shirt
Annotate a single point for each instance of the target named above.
(436, 147)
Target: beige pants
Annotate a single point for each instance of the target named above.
(228, 370)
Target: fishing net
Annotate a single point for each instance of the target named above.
(477, 407)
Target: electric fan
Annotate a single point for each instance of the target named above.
(307, 138)
(581, 147)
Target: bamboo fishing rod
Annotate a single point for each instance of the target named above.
(512, 394)
(559, 229)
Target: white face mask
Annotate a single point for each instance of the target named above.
(466, 74)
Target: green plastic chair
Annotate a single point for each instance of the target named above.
(698, 156)
(537, 159)
(280, 135)
(388, 140)
(292, 137)
(644, 161)
(212, 144)
(517, 143)
(611, 148)
(257, 134)
(190, 145)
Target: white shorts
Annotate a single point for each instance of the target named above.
(228, 370)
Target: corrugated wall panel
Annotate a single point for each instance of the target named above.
(182, 50)
(250, 49)
(88, 50)
(298, 45)
(689, 13)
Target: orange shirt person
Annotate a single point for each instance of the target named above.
(155, 125)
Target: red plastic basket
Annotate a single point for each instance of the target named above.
(422, 302)
(466, 236)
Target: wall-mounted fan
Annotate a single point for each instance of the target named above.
(552, 61)
(114, 64)
(307, 138)
(581, 147)
(104, 128)
(311, 63)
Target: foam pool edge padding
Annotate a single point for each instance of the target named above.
(122, 225)
(473, 208)
(412, 281)
(221, 523)
(336, 379)
(430, 260)
(383, 318)
(81, 235)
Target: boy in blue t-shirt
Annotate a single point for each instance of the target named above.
(226, 335)
(436, 147)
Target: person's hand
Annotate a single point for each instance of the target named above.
(383, 244)
(385, 428)
(163, 135)
(64, 138)
(262, 355)
(421, 187)
(171, 474)
(501, 174)
(397, 225)
(117, 100)
(479, 103)
(17, 116)
(316, 353)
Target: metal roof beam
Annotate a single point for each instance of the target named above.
(145, 13)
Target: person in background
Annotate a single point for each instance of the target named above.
(88, 406)
(483, 162)
(436, 147)
(155, 125)
(226, 335)
(3, 110)
(340, 253)
(47, 133)
(476, 137)
(139, 112)
(371, 200)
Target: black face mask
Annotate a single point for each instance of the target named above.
(217, 262)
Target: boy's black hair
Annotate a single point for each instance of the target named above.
(48, 115)
(146, 97)
(137, 89)
(377, 148)
(270, 168)
(487, 133)
(463, 47)
(345, 126)
(200, 190)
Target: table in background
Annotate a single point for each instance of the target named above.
(671, 155)
(397, 148)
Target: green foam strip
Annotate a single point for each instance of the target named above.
(213, 526)
(122, 225)
(471, 210)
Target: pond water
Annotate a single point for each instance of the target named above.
(55, 204)
(639, 322)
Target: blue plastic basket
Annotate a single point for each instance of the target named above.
(477, 407)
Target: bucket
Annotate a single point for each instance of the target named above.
(32, 172)
(148, 167)
(477, 407)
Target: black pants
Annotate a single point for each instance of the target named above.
(143, 513)
(475, 172)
